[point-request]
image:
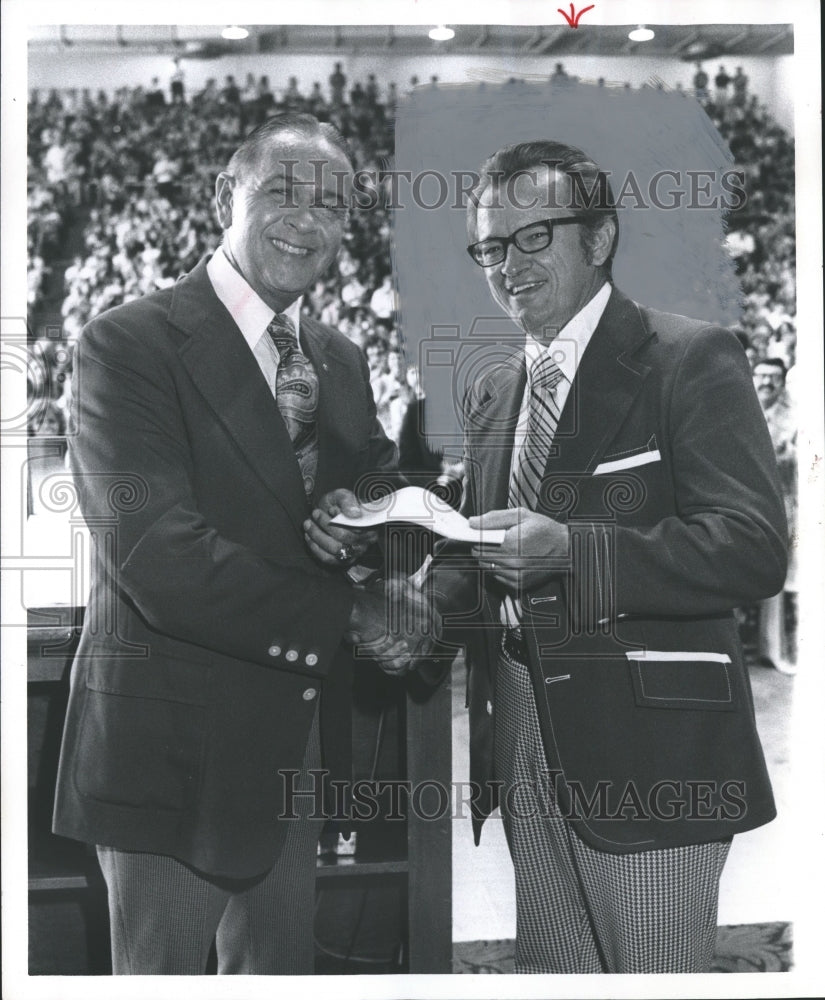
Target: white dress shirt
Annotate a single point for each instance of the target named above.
(567, 350)
(251, 314)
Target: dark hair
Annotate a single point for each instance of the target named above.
(590, 184)
(245, 156)
(776, 362)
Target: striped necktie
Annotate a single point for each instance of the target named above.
(542, 420)
(296, 393)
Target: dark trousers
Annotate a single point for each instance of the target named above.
(164, 915)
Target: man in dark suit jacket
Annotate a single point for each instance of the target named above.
(625, 455)
(212, 671)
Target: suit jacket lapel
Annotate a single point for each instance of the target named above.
(491, 426)
(227, 374)
(605, 385)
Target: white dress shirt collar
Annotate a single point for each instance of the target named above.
(251, 314)
(569, 346)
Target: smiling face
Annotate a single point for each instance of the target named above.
(284, 217)
(541, 291)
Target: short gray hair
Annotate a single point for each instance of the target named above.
(245, 156)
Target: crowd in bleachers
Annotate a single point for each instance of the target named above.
(761, 232)
(135, 169)
(761, 238)
(138, 167)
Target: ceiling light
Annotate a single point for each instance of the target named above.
(442, 33)
(234, 32)
(641, 34)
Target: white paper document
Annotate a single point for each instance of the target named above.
(417, 506)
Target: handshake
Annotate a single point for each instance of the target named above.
(394, 623)
(399, 624)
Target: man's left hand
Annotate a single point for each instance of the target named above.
(535, 547)
(330, 543)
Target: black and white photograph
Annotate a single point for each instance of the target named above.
(412, 539)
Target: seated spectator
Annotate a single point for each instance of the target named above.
(155, 97)
(353, 292)
(249, 94)
(209, 96)
(35, 275)
(165, 173)
(775, 645)
(382, 301)
(384, 379)
(397, 393)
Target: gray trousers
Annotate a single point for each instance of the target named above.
(164, 915)
(579, 910)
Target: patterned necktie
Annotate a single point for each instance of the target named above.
(296, 392)
(542, 420)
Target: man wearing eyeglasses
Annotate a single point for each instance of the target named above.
(625, 455)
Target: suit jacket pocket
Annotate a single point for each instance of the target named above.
(630, 458)
(142, 734)
(165, 678)
(683, 680)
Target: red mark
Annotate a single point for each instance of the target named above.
(574, 18)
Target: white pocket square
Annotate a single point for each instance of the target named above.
(630, 462)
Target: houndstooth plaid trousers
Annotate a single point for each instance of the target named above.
(579, 910)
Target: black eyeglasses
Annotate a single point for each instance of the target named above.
(529, 239)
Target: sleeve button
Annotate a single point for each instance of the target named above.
(274, 650)
(309, 694)
(311, 659)
(292, 655)
(489, 708)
